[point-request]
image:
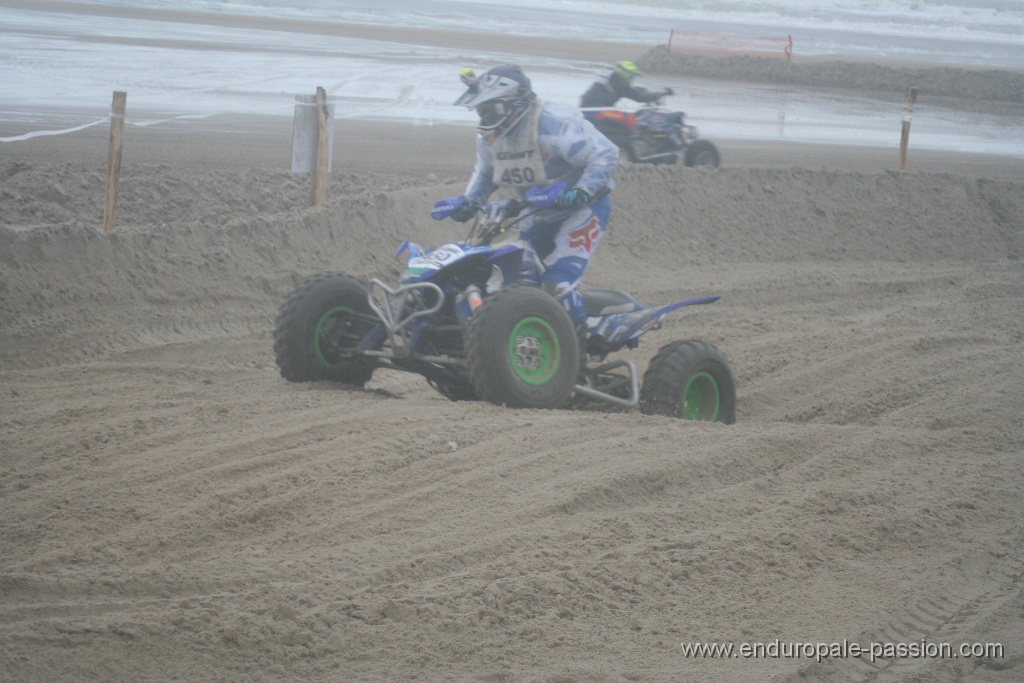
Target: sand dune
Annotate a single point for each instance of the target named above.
(969, 85)
(173, 510)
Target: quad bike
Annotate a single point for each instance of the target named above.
(655, 135)
(461, 318)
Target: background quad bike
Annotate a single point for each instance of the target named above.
(521, 351)
(657, 137)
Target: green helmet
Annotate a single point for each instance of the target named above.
(627, 70)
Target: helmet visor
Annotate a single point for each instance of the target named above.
(492, 113)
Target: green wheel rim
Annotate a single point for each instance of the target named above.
(533, 351)
(332, 331)
(701, 399)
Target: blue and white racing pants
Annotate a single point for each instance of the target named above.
(564, 250)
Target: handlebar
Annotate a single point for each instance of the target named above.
(537, 197)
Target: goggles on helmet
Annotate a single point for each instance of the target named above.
(492, 113)
(500, 97)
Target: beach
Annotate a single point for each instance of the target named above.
(171, 509)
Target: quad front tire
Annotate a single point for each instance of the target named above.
(690, 380)
(522, 351)
(318, 328)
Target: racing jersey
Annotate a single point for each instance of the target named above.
(569, 147)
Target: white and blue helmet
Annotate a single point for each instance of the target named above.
(501, 97)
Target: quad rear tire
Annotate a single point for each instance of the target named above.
(318, 327)
(521, 350)
(702, 153)
(690, 380)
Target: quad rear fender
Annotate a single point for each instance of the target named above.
(619, 328)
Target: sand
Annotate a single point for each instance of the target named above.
(172, 510)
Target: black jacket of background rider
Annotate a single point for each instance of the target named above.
(602, 94)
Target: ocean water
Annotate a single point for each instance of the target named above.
(56, 60)
(979, 32)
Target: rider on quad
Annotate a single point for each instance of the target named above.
(611, 85)
(616, 82)
(524, 142)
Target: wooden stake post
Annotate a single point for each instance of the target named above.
(321, 171)
(908, 111)
(114, 160)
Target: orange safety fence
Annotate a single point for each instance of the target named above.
(702, 43)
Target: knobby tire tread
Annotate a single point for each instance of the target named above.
(293, 350)
(671, 368)
(486, 344)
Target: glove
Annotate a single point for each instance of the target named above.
(668, 91)
(465, 212)
(572, 198)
